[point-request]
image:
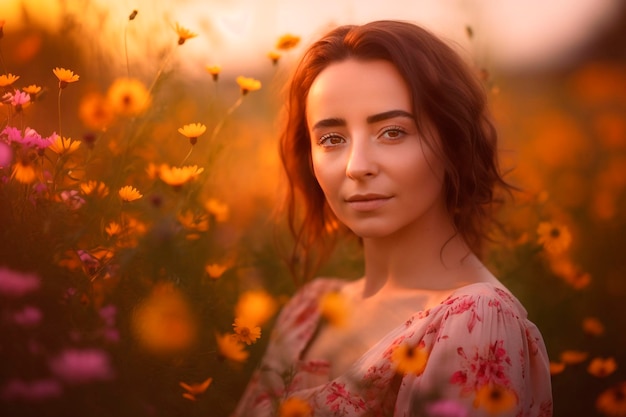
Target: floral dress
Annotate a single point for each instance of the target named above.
(482, 357)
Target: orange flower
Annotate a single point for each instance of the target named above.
(256, 306)
(32, 89)
(129, 193)
(64, 146)
(215, 270)
(8, 79)
(113, 229)
(573, 357)
(229, 347)
(495, 399)
(95, 111)
(96, 188)
(410, 359)
(273, 56)
(214, 70)
(218, 209)
(128, 97)
(555, 238)
(184, 34)
(556, 368)
(248, 84)
(564, 268)
(612, 402)
(294, 407)
(247, 331)
(593, 327)
(194, 390)
(24, 172)
(192, 131)
(601, 367)
(65, 76)
(287, 41)
(178, 176)
(334, 309)
(163, 323)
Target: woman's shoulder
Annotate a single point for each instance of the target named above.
(485, 295)
(305, 301)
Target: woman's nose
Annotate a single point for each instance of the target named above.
(361, 159)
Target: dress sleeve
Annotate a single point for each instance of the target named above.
(293, 328)
(485, 358)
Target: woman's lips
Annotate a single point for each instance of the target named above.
(368, 202)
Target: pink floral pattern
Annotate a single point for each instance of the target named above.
(479, 335)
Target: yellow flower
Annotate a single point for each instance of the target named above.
(178, 176)
(128, 97)
(32, 89)
(556, 368)
(287, 41)
(273, 56)
(246, 331)
(192, 131)
(601, 367)
(113, 229)
(554, 238)
(184, 34)
(129, 193)
(194, 390)
(495, 399)
(573, 357)
(410, 359)
(95, 111)
(256, 306)
(97, 188)
(248, 84)
(65, 76)
(24, 172)
(64, 146)
(218, 209)
(592, 326)
(229, 347)
(216, 270)
(294, 407)
(214, 70)
(192, 222)
(8, 79)
(334, 309)
(612, 402)
(163, 323)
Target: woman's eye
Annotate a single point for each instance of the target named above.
(330, 140)
(393, 133)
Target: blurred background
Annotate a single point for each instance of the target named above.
(556, 76)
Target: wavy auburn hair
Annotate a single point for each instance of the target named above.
(446, 95)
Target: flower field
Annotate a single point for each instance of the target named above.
(141, 261)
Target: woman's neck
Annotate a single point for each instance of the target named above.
(434, 258)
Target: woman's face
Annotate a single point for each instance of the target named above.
(378, 174)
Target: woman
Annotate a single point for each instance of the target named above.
(387, 134)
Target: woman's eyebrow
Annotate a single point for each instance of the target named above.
(389, 115)
(375, 118)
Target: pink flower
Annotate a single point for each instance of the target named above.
(17, 284)
(6, 155)
(72, 199)
(13, 134)
(28, 316)
(40, 389)
(17, 99)
(76, 366)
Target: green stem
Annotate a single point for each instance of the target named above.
(187, 157)
(59, 106)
